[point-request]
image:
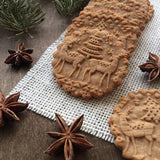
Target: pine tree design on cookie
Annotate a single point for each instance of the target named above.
(90, 63)
(135, 124)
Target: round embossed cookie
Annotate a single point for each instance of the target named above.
(108, 21)
(90, 63)
(136, 125)
(134, 13)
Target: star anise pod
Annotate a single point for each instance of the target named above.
(69, 138)
(19, 57)
(10, 106)
(152, 66)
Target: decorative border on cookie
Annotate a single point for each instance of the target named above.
(87, 91)
(122, 102)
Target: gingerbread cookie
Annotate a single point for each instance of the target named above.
(136, 125)
(145, 4)
(108, 21)
(90, 63)
(135, 14)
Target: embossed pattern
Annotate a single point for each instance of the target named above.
(46, 97)
(130, 10)
(109, 21)
(144, 4)
(96, 59)
(97, 46)
(135, 124)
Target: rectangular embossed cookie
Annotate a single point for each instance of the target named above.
(90, 63)
(93, 58)
(145, 4)
(108, 21)
(134, 13)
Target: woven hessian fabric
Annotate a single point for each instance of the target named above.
(46, 98)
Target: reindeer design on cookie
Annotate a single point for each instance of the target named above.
(135, 123)
(95, 52)
(71, 57)
(103, 67)
(136, 130)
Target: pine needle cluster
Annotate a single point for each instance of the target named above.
(20, 16)
(69, 7)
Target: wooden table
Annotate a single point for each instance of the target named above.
(27, 139)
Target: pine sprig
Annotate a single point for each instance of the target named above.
(69, 7)
(20, 16)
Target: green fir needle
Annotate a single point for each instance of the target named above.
(69, 7)
(20, 16)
